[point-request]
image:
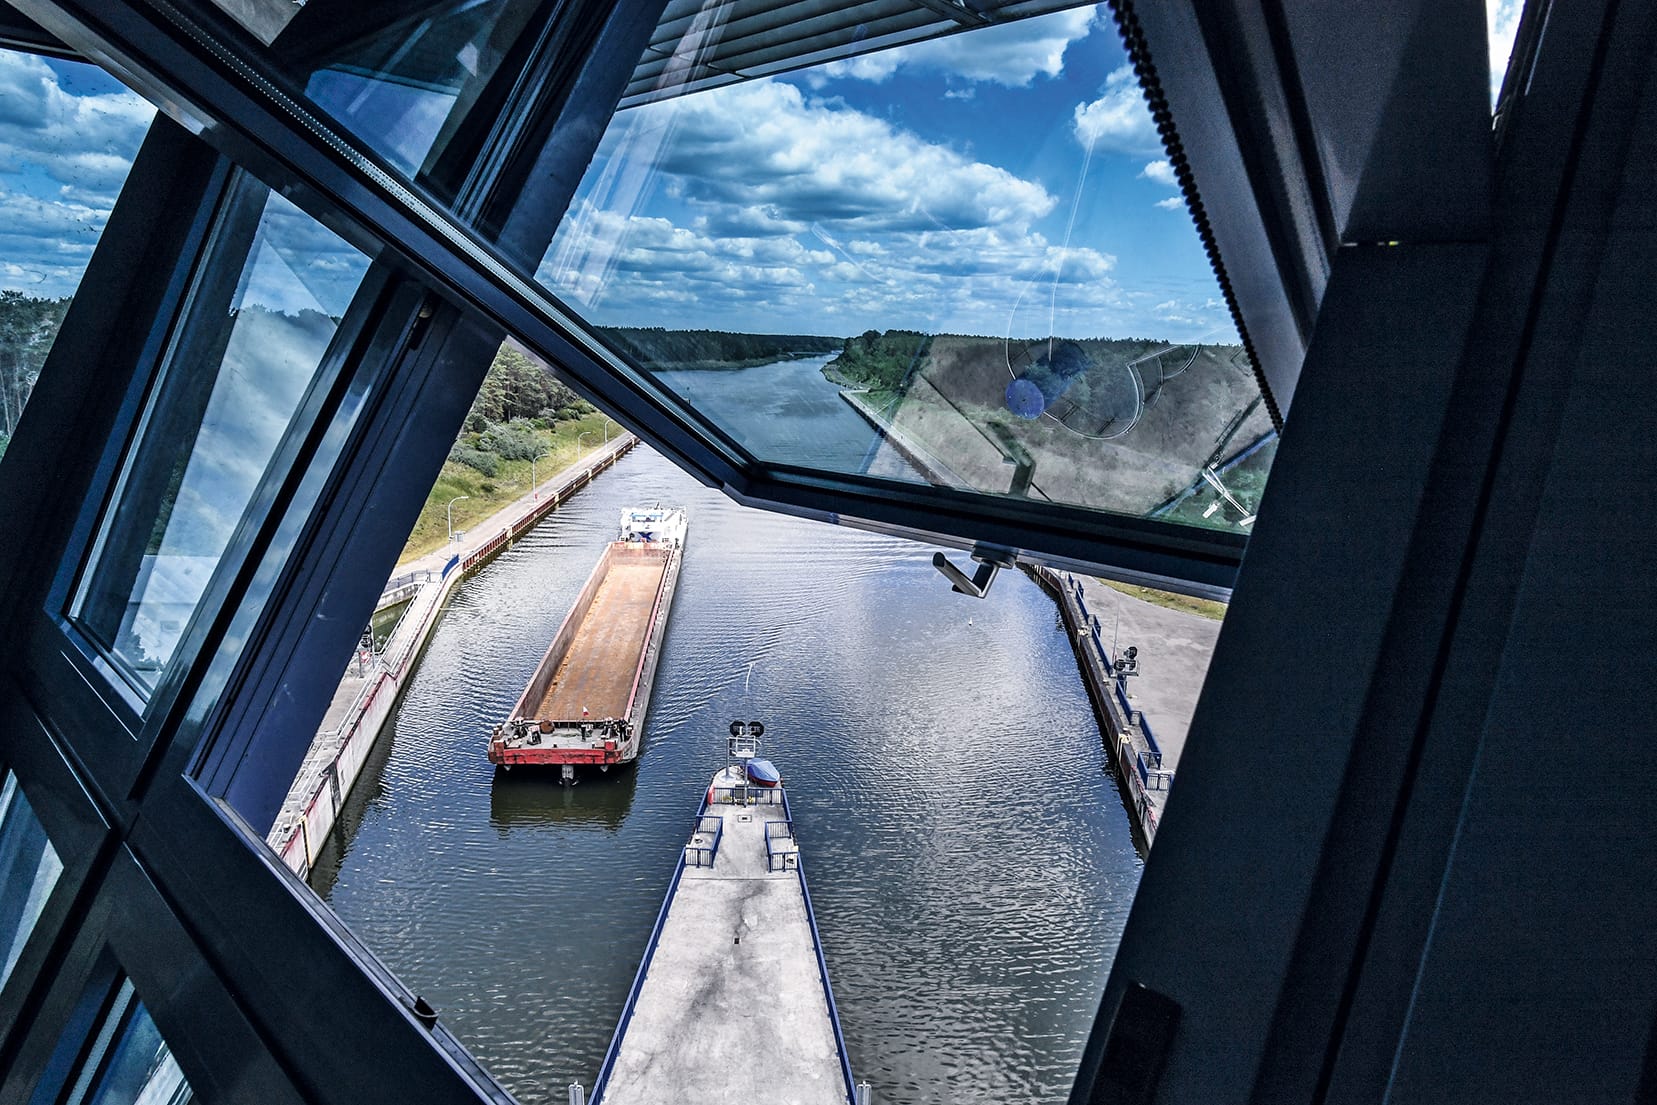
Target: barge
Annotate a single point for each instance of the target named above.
(586, 702)
(732, 1001)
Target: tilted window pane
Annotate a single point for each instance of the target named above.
(965, 262)
(407, 81)
(253, 345)
(29, 868)
(68, 134)
(128, 1063)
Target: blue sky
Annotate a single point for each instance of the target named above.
(934, 187)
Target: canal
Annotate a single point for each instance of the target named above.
(968, 855)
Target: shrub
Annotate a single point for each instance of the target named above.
(487, 463)
(513, 441)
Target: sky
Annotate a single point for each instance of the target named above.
(1004, 181)
(68, 134)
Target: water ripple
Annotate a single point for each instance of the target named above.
(969, 858)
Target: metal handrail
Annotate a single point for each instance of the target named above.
(708, 851)
(746, 794)
(772, 851)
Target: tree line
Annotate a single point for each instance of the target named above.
(654, 347)
(27, 328)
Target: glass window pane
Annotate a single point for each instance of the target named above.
(228, 406)
(68, 134)
(964, 262)
(128, 1062)
(405, 88)
(29, 868)
(408, 81)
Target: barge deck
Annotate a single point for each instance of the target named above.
(732, 1002)
(586, 702)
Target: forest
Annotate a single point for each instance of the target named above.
(27, 327)
(655, 348)
(878, 361)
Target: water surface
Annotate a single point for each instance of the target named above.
(968, 855)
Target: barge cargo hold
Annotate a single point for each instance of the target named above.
(586, 702)
(732, 1001)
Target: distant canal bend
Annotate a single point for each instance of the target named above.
(969, 859)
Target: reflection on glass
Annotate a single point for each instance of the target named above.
(232, 397)
(407, 80)
(29, 868)
(962, 262)
(68, 134)
(128, 1062)
(1501, 24)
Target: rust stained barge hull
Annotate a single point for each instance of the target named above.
(586, 702)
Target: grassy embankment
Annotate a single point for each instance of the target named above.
(510, 481)
(947, 395)
(1206, 608)
(1246, 481)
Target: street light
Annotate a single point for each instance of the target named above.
(452, 503)
(578, 438)
(534, 488)
(607, 431)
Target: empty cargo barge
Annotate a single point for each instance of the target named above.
(586, 702)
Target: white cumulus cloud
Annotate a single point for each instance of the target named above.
(63, 159)
(766, 145)
(1160, 171)
(1119, 119)
(1011, 54)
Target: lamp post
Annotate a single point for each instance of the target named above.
(452, 503)
(606, 431)
(534, 487)
(578, 438)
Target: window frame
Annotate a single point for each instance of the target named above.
(255, 123)
(128, 931)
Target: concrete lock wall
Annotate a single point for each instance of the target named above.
(1128, 737)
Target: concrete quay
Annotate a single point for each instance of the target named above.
(371, 684)
(1145, 717)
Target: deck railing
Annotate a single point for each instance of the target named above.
(745, 794)
(703, 855)
(780, 846)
